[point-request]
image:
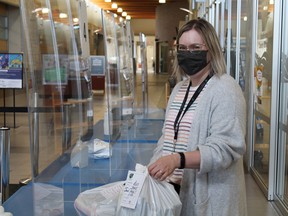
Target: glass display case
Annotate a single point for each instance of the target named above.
(262, 90)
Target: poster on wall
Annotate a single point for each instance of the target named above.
(97, 65)
(11, 70)
(53, 74)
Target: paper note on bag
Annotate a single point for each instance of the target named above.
(132, 189)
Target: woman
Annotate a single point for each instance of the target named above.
(203, 137)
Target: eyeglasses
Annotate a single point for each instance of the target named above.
(191, 47)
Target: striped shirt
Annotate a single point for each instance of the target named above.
(184, 127)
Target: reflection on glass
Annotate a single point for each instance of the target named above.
(262, 88)
(113, 75)
(282, 169)
(261, 148)
(233, 39)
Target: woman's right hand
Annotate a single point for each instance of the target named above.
(164, 166)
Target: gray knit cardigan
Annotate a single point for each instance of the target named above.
(218, 132)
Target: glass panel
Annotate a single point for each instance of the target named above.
(282, 187)
(221, 23)
(233, 38)
(262, 83)
(144, 72)
(59, 97)
(226, 30)
(242, 57)
(112, 76)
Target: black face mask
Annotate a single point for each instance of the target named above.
(192, 62)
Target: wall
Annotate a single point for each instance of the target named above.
(15, 30)
(3, 43)
(10, 2)
(146, 26)
(168, 17)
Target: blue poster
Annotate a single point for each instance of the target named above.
(97, 65)
(11, 70)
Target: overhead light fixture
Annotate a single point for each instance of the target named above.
(45, 10)
(75, 20)
(245, 18)
(124, 13)
(115, 15)
(119, 10)
(114, 5)
(128, 17)
(162, 1)
(186, 10)
(107, 0)
(63, 15)
(36, 10)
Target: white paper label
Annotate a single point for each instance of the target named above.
(127, 111)
(90, 113)
(132, 189)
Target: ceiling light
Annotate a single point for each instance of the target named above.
(124, 13)
(128, 17)
(119, 10)
(107, 0)
(63, 15)
(45, 10)
(265, 8)
(75, 20)
(186, 10)
(37, 10)
(245, 18)
(115, 15)
(114, 5)
(162, 1)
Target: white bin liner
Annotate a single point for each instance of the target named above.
(156, 199)
(102, 200)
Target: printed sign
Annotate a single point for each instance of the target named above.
(97, 65)
(11, 70)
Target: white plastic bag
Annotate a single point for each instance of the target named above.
(157, 198)
(99, 201)
(99, 149)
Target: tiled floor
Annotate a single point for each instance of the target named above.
(20, 157)
(257, 204)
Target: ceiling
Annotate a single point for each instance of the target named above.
(137, 9)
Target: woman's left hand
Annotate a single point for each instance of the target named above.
(164, 166)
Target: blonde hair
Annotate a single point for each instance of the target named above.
(211, 40)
